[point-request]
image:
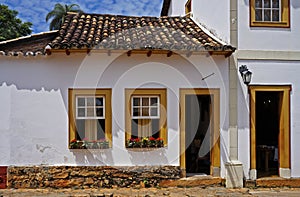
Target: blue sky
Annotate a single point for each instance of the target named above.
(35, 11)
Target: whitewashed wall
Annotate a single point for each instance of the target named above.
(261, 38)
(214, 14)
(271, 73)
(177, 8)
(34, 103)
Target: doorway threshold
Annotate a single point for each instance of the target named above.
(194, 180)
(196, 175)
(277, 182)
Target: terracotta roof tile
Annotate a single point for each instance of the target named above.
(31, 45)
(88, 31)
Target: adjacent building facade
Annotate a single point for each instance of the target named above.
(263, 116)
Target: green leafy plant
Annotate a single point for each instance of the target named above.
(145, 142)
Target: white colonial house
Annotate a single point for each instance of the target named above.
(164, 95)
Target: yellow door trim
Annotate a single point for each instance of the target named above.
(215, 121)
(284, 123)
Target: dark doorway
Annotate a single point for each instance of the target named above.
(197, 140)
(267, 132)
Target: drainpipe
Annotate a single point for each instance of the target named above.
(234, 168)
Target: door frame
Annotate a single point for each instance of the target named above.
(284, 155)
(215, 121)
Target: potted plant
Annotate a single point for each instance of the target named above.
(145, 142)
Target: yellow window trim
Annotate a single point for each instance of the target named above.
(162, 93)
(108, 111)
(285, 16)
(188, 7)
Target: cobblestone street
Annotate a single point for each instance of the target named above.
(149, 192)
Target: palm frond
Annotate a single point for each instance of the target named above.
(55, 24)
(58, 14)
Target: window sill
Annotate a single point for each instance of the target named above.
(269, 24)
(98, 150)
(144, 149)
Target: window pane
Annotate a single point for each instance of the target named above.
(258, 3)
(81, 102)
(90, 112)
(267, 15)
(145, 111)
(100, 129)
(145, 101)
(136, 101)
(81, 112)
(80, 129)
(267, 3)
(275, 4)
(155, 128)
(275, 15)
(99, 112)
(154, 111)
(99, 101)
(258, 15)
(90, 101)
(134, 128)
(136, 111)
(153, 101)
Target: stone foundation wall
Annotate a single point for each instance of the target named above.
(83, 177)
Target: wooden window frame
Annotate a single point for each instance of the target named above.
(106, 93)
(284, 124)
(162, 94)
(148, 106)
(188, 7)
(86, 107)
(284, 20)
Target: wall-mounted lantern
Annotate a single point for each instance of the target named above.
(246, 74)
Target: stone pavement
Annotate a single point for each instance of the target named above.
(149, 192)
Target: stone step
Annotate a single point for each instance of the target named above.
(202, 181)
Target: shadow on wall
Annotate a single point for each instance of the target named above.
(295, 3)
(93, 157)
(246, 2)
(137, 157)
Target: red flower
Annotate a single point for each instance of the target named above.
(159, 139)
(137, 139)
(74, 140)
(151, 138)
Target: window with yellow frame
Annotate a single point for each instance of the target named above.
(90, 118)
(269, 13)
(146, 114)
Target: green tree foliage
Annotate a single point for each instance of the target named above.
(11, 26)
(59, 13)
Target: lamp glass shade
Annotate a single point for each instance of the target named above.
(247, 77)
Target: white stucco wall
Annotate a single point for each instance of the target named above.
(177, 8)
(262, 38)
(214, 14)
(270, 73)
(34, 103)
